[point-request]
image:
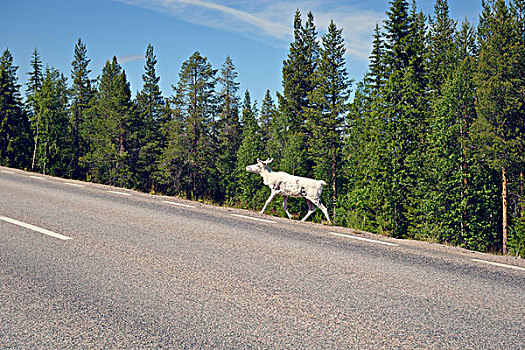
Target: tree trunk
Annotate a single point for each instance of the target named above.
(76, 144)
(504, 207)
(464, 206)
(36, 145)
(334, 183)
(522, 205)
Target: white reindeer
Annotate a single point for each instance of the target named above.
(289, 185)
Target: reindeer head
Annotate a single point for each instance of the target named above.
(260, 166)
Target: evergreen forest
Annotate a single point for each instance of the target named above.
(429, 145)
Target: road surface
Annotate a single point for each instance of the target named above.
(86, 266)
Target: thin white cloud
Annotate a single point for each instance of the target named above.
(271, 21)
(129, 58)
(268, 25)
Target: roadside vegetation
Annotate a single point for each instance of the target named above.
(429, 145)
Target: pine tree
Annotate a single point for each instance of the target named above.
(14, 125)
(82, 94)
(151, 110)
(186, 162)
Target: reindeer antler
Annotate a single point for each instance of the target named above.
(265, 162)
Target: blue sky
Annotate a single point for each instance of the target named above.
(255, 33)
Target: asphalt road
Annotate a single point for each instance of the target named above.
(141, 271)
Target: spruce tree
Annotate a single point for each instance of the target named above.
(34, 85)
(414, 109)
(52, 153)
(228, 130)
(151, 110)
(82, 93)
(451, 176)
(36, 76)
(295, 76)
(312, 52)
(499, 97)
(15, 131)
(298, 82)
(394, 120)
(329, 106)
(397, 32)
(249, 186)
(270, 128)
(442, 49)
(517, 236)
(109, 128)
(375, 76)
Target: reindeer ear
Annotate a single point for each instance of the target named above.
(258, 160)
(269, 160)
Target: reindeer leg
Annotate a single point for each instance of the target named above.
(285, 201)
(323, 209)
(311, 209)
(268, 201)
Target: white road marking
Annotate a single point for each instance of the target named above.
(252, 218)
(72, 184)
(500, 264)
(363, 239)
(35, 228)
(7, 172)
(179, 204)
(121, 193)
(36, 177)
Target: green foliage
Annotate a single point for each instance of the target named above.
(517, 238)
(270, 127)
(34, 85)
(431, 146)
(326, 115)
(52, 139)
(228, 130)
(249, 185)
(109, 129)
(499, 79)
(187, 163)
(299, 81)
(82, 93)
(442, 48)
(152, 115)
(14, 124)
(375, 76)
